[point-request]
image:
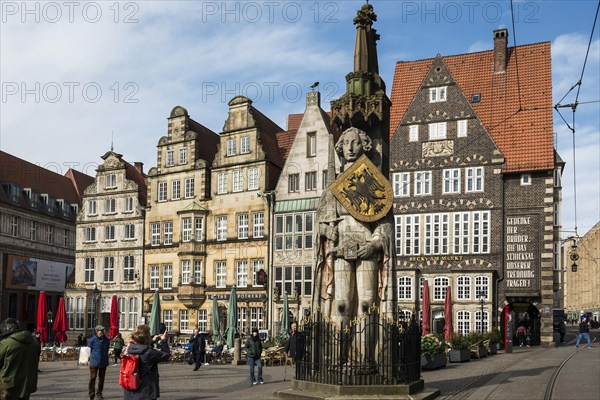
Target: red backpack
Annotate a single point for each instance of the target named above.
(129, 378)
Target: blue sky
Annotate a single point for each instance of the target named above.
(73, 74)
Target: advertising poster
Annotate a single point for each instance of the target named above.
(37, 274)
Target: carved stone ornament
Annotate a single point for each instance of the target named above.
(363, 191)
(438, 148)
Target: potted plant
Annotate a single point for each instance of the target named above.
(476, 346)
(433, 352)
(459, 346)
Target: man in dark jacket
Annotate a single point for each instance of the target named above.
(98, 345)
(253, 353)
(141, 345)
(584, 332)
(19, 358)
(198, 343)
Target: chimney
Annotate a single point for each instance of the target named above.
(139, 166)
(313, 98)
(500, 50)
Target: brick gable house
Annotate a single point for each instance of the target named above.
(476, 203)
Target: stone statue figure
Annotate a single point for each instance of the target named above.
(353, 257)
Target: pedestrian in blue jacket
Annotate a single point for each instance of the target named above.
(99, 345)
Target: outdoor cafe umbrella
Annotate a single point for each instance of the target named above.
(232, 319)
(216, 331)
(448, 315)
(60, 322)
(425, 305)
(41, 324)
(284, 329)
(155, 315)
(114, 318)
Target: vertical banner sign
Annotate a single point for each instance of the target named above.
(522, 255)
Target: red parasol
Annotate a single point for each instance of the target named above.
(42, 318)
(114, 318)
(448, 315)
(425, 305)
(60, 323)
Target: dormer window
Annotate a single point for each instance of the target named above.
(110, 181)
(437, 94)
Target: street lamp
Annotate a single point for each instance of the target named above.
(96, 297)
(49, 316)
(481, 299)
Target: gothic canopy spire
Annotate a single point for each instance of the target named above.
(365, 49)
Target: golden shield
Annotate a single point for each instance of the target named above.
(363, 191)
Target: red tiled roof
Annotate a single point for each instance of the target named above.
(80, 180)
(141, 179)
(284, 141)
(293, 121)
(209, 141)
(268, 136)
(29, 175)
(523, 136)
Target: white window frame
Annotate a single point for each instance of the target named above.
(241, 271)
(128, 268)
(398, 234)
(405, 288)
(128, 203)
(482, 286)
(245, 145)
(310, 181)
(184, 316)
(198, 229)
(413, 133)
(412, 229)
(109, 269)
(437, 131)
(293, 183)
(155, 234)
(461, 128)
(231, 147)
(167, 232)
(238, 181)
(479, 319)
(186, 272)
(189, 188)
(203, 319)
(161, 194)
(89, 275)
(133, 313)
(109, 233)
(186, 229)
(110, 181)
(463, 288)
(438, 94)
(222, 183)
(474, 179)
(440, 283)
(182, 155)
(221, 227)
(110, 206)
(463, 322)
(93, 207)
(170, 162)
(258, 225)
(168, 319)
(525, 179)
(257, 265)
(90, 234)
(220, 274)
(167, 276)
(422, 183)
(154, 277)
(451, 181)
(129, 231)
(401, 184)
(176, 190)
(198, 271)
(253, 177)
(242, 226)
(311, 144)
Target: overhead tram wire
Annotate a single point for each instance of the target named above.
(573, 107)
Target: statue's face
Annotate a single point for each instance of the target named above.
(352, 146)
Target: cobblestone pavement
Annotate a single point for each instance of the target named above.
(523, 374)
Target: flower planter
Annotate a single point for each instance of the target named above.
(460, 355)
(492, 349)
(433, 362)
(482, 351)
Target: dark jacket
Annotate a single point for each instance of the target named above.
(149, 358)
(584, 327)
(253, 347)
(291, 346)
(19, 358)
(99, 351)
(198, 344)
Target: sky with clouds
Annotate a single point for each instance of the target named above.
(76, 73)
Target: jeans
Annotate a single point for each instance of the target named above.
(101, 372)
(252, 362)
(585, 335)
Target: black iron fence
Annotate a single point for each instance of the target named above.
(369, 350)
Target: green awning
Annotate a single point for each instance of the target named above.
(282, 206)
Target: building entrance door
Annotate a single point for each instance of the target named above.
(527, 315)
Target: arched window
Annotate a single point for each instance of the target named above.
(79, 312)
(69, 309)
(439, 287)
(405, 288)
(479, 320)
(133, 312)
(122, 304)
(463, 322)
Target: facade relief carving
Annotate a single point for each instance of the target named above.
(438, 148)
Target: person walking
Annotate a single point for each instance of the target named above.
(98, 345)
(19, 359)
(198, 343)
(141, 345)
(118, 343)
(584, 331)
(253, 353)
